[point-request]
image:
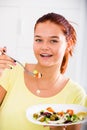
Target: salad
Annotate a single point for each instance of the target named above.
(50, 116)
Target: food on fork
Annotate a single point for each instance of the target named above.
(37, 74)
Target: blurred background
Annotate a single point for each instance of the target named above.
(17, 19)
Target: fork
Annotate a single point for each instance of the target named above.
(35, 73)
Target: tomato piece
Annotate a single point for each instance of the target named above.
(70, 111)
(60, 113)
(50, 109)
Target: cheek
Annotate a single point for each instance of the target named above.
(35, 49)
(60, 52)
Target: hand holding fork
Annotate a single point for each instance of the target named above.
(7, 61)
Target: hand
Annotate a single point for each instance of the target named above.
(57, 127)
(68, 127)
(5, 61)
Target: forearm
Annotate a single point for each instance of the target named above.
(1, 72)
(2, 94)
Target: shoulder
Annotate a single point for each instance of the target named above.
(79, 93)
(76, 86)
(75, 89)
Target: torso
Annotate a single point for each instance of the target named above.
(26, 97)
(43, 88)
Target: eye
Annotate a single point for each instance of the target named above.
(38, 40)
(54, 41)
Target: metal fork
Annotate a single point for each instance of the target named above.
(34, 74)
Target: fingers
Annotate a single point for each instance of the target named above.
(5, 61)
(58, 127)
(3, 50)
(6, 64)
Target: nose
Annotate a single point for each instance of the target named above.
(45, 46)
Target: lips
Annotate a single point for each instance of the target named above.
(45, 55)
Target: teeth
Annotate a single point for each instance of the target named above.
(46, 55)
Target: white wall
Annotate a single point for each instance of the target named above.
(17, 18)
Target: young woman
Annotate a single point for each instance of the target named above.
(54, 41)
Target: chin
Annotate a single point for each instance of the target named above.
(46, 65)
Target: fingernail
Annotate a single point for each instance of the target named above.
(4, 50)
(14, 60)
(10, 67)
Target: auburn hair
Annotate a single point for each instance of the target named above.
(68, 31)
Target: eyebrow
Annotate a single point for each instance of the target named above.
(50, 36)
(37, 36)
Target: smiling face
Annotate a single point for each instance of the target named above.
(49, 44)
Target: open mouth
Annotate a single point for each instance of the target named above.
(46, 55)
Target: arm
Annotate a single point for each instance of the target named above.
(2, 94)
(5, 63)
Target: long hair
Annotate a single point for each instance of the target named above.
(68, 31)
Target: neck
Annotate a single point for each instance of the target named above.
(48, 72)
(50, 80)
(49, 85)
